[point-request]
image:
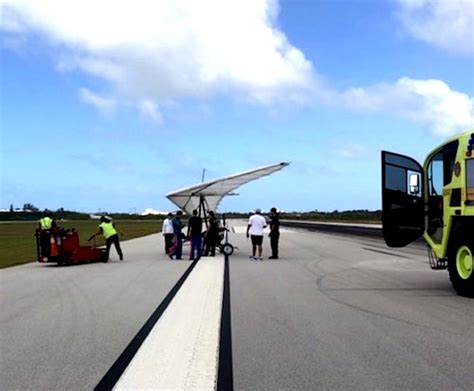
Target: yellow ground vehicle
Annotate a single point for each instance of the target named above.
(436, 201)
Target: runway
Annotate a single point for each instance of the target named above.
(333, 313)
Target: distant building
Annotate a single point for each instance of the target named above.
(3, 210)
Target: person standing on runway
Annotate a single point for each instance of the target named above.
(109, 230)
(195, 235)
(274, 232)
(255, 227)
(211, 237)
(178, 236)
(168, 233)
(46, 225)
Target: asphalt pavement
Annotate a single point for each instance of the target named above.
(333, 313)
(347, 313)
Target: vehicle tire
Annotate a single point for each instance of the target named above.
(461, 267)
(227, 249)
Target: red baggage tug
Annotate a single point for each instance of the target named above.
(63, 247)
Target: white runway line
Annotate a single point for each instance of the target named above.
(182, 350)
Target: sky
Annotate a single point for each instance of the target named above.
(108, 106)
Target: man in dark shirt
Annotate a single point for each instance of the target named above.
(194, 235)
(211, 238)
(274, 232)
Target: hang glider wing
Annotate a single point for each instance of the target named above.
(212, 192)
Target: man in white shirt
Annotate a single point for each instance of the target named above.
(255, 228)
(168, 233)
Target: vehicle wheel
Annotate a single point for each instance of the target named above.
(460, 267)
(227, 249)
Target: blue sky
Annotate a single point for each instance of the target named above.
(109, 107)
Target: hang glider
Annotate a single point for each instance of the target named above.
(207, 195)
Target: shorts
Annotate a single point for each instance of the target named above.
(257, 240)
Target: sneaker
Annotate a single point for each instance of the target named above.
(252, 257)
(259, 259)
(272, 257)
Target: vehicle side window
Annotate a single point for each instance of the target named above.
(449, 153)
(470, 181)
(396, 178)
(435, 175)
(399, 173)
(440, 169)
(470, 173)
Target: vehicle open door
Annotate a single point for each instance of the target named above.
(402, 199)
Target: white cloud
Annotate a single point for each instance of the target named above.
(150, 110)
(104, 105)
(428, 102)
(448, 24)
(170, 50)
(153, 53)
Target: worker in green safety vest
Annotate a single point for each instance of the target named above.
(47, 222)
(108, 229)
(46, 225)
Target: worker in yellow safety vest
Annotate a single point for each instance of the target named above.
(108, 229)
(47, 222)
(46, 234)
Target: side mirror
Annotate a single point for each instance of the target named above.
(414, 184)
